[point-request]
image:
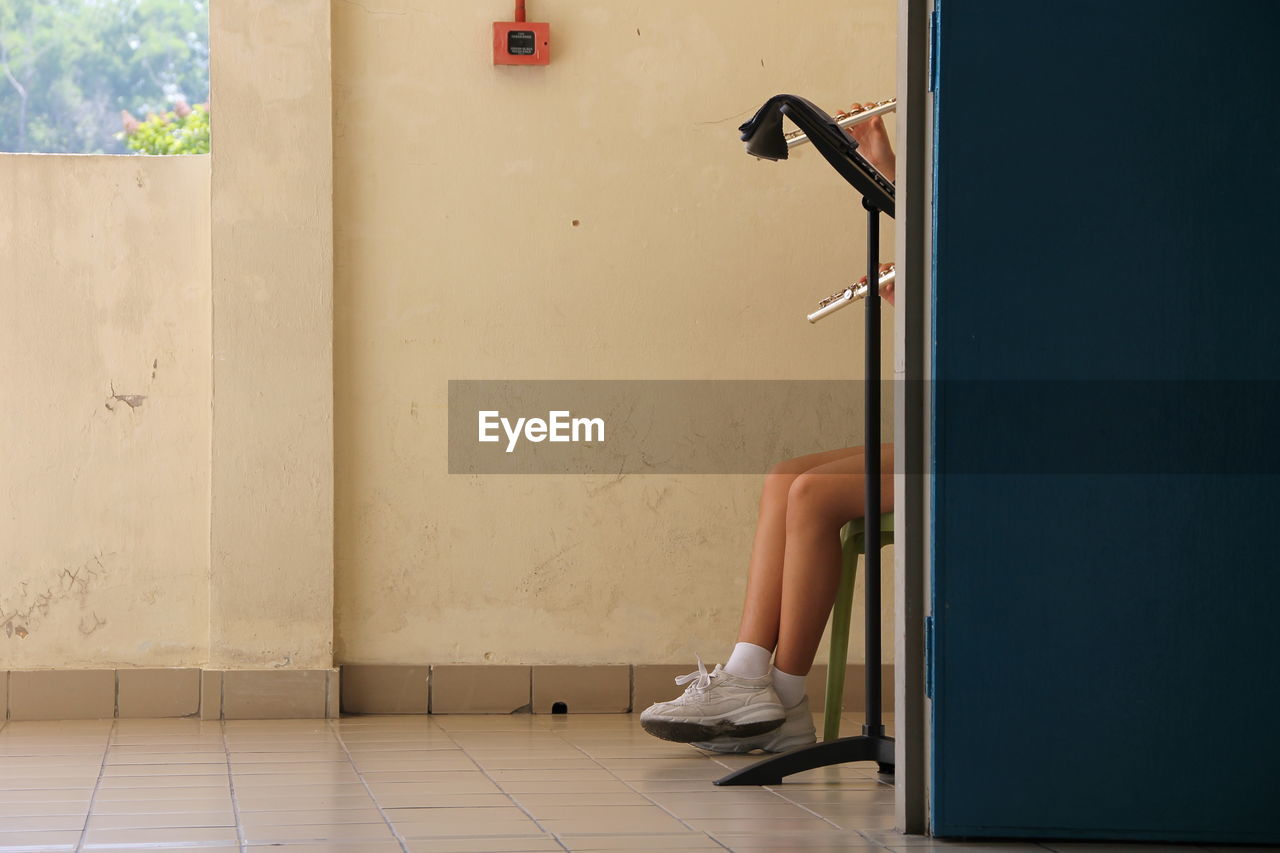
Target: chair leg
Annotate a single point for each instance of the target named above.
(837, 658)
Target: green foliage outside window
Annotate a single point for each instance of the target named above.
(70, 69)
(182, 130)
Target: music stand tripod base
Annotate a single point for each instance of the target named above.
(770, 771)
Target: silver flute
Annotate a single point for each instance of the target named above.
(879, 108)
(852, 293)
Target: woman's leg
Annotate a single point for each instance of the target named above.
(819, 502)
(763, 607)
(795, 569)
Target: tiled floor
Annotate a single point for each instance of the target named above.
(428, 784)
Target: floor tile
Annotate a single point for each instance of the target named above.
(648, 786)
(708, 773)
(177, 836)
(368, 814)
(188, 770)
(22, 763)
(167, 743)
(863, 822)
(586, 820)
(578, 786)
(57, 840)
(42, 823)
(171, 783)
(433, 801)
(499, 820)
(537, 803)
(734, 794)
(147, 794)
(523, 761)
(187, 848)
(346, 832)
(318, 774)
(808, 796)
(507, 811)
(159, 820)
(672, 762)
(115, 758)
(575, 775)
(56, 785)
(807, 842)
(431, 759)
(786, 825)
(326, 769)
(323, 789)
(272, 801)
(37, 809)
(738, 811)
(456, 783)
(321, 847)
(216, 803)
(413, 776)
(467, 826)
(810, 846)
(480, 844)
(332, 754)
(645, 842)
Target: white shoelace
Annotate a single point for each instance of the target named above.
(701, 679)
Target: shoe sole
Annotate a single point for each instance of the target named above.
(686, 732)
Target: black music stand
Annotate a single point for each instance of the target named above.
(764, 137)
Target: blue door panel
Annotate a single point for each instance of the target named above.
(1107, 421)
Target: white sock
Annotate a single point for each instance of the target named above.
(790, 688)
(749, 661)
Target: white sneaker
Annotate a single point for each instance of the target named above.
(715, 704)
(797, 731)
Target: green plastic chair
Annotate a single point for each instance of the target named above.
(853, 541)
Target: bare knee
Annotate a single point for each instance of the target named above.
(777, 483)
(822, 500)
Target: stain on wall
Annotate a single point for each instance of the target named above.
(104, 505)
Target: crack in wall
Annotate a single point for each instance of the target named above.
(25, 611)
(89, 625)
(133, 401)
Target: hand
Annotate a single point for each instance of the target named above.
(886, 289)
(873, 143)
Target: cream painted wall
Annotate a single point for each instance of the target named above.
(123, 278)
(457, 256)
(271, 232)
(167, 354)
(104, 476)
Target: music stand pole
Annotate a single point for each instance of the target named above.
(871, 745)
(871, 508)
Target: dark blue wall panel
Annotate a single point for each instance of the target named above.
(1107, 435)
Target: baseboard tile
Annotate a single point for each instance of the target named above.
(210, 694)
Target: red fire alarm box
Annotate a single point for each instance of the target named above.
(521, 42)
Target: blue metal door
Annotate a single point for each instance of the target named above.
(1107, 420)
